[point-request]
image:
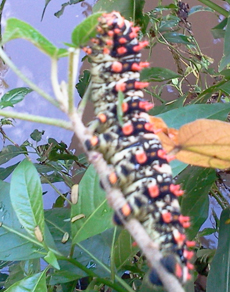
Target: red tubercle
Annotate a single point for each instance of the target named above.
(145, 105)
(162, 154)
(127, 129)
(88, 51)
(153, 191)
(120, 87)
(136, 67)
(190, 243)
(106, 51)
(102, 118)
(149, 127)
(109, 42)
(121, 50)
(189, 277)
(124, 107)
(190, 266)
(167, 217)
(188, 254)
(110, 33)
(141, 157)
(179, 237)
(144, 64)
(136, 28)
(122, 40)
(117, 31)
(178, 271)
(140, 46)
(185, 221)
(175, 189)
(134, 244)
(140, 85)
(116, 67)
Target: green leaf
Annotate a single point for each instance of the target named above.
(177, 38)
(177, 167)
(199, 8)
(37, 135)
(219, 275)
(93, 205)
(127, 8)
(16, 28)
(14, 96)
(168, 22)
(219, 30)
(178, 117)
(5, 172)
(18, 246)
(51, 259)
(63, 6)
(83, 83)
(10, 152)
(206, 231)
(124, 250)
(26, 197)
(158, 74)
(35, 283)
(195, 202)
(85, 30)
(226, 56)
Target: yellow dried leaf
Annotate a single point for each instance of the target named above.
(204, 143)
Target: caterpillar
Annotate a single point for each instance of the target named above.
(130, 145)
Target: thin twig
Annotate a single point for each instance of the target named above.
(32, 85)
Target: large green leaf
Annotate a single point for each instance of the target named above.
(178, 117)
(226, 56)
(14, 96)
(19, 246)
(158, 74)
(16, 28)
(35, 283)
(128, 8)
(219, 275)
(124, 250)
(5, 172)
(98, 246)
(177, 38)
(26, 197)
(196, 182)
(85, 30)
(93, 205)
(10, 152)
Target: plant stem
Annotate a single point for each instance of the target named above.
(112, 263)
(123, 283)
(115, 286)
(33, 86)
(36, 119)
(72, 71)
(1, 11)
(219, 200)
(215, 7)
(57, 191)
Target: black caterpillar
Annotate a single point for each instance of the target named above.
(141, 168)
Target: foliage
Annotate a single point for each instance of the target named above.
(79, 244)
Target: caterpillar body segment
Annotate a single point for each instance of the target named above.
(133, 150)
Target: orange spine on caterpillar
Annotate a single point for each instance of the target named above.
(131, 147)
